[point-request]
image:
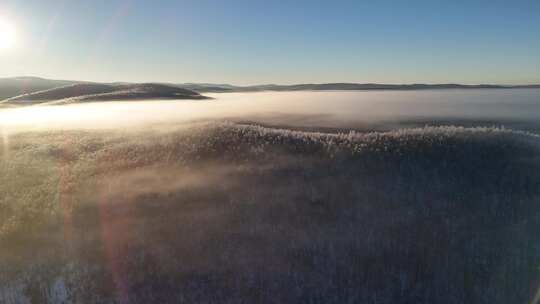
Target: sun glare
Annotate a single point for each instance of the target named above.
(8, 35)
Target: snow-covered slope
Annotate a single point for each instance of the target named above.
(82, 92)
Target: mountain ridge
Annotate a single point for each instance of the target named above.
(12, 87)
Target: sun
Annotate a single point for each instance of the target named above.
(8, 35)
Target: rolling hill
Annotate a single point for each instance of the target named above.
(15, 86)
(31, 90)
(83, 92)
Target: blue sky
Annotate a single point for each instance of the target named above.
(251, 42)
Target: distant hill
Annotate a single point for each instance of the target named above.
(69, 91)
(344, 87)
(35, 89)
(10, 87)
(83, 92)
(137, 92)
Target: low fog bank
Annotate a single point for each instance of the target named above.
(325, 111)
(239, 213)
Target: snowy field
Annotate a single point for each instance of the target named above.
(304, 197)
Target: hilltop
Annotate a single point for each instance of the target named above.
(15, 86)
(83, 92)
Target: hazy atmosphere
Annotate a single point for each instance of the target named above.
(269, 152)
(257, 42)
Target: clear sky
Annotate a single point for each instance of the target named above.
(264, 41)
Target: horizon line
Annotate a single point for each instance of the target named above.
(278, 84)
